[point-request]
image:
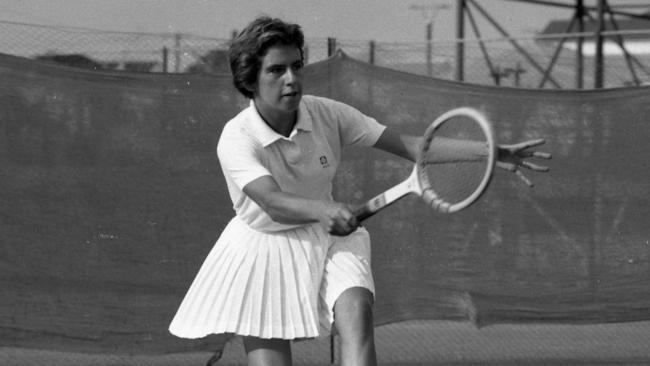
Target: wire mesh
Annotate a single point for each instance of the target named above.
(110, 50)
(545, 62)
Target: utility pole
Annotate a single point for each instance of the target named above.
(429, 11)
(177, 53)
(429, 38)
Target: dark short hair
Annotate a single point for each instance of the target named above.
(250, 46)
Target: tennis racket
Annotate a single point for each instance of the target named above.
(453, 168)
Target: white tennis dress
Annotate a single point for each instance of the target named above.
(272, 280)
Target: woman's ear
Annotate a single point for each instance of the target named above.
(251, 87)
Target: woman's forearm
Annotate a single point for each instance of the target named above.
(287, 208)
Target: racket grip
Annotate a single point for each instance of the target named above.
(363, 212)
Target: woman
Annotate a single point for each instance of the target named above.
(292, 264)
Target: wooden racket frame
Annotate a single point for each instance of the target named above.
(418, 181)
(428, 194)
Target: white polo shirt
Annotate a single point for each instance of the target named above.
(303, 163)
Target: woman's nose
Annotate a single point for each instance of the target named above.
(290, 76)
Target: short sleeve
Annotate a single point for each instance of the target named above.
(355, 128)
(239, 156)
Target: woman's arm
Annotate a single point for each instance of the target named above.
(288, 208)
(444, 150)
(398, 144)
(510, 157)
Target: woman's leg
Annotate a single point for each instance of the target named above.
(353, 320)
(267, 352)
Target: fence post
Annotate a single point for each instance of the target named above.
(599, 60)
(429, 48)
(371, 56)
(165, 58)
(580, 15)
(177, 52)
(332, 349)
(460, 36)
(331, 46)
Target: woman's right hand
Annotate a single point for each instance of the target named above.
(338, 219)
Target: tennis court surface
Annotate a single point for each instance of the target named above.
(418, 343)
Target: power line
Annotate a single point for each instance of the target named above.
(23, 14)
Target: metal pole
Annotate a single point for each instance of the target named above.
(177, 52)
(430, 12)
(481, 44)
(331, 46)
(580, 63)
(518, 71)
(429, 47)
(521, 50)
(332, 349)
(599, 61)
(460, 35)
(165, 60)
(629, 59)
(558, 49)
(645, 16)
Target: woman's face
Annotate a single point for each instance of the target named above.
(279, 82)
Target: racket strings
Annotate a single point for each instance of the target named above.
(455, 159)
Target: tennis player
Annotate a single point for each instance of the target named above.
(292, 264)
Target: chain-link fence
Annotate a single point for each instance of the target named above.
(525, 62)
(164, 52)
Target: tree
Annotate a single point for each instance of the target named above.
(213, 62)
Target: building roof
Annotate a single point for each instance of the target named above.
(627, 24)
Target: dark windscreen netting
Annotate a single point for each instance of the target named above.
(111, 197)
(573, 249)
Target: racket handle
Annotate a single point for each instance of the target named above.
(373, 206)
(363, 212)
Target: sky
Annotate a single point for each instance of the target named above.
(379, 20)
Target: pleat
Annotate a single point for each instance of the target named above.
(256, 284)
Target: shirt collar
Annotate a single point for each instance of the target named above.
(267, 135)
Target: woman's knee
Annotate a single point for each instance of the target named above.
(354, 309)
(262, 351)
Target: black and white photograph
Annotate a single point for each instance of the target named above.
(303, 182)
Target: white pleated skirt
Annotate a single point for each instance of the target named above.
(272, 285)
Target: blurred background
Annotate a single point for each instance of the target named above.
(530, 44)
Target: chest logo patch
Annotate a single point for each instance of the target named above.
(323, 161)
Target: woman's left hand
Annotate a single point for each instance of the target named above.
(513, 157)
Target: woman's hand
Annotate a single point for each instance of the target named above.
(338, 219)
(513, 157)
